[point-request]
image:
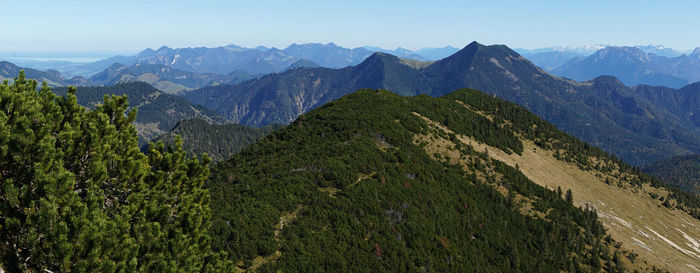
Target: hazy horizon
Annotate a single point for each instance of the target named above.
(130, 26)
(93, 55)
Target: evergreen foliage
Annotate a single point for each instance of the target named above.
(368, 198)
(158, 112)
(77, 195)
(682, 172)
(567, 147)
(219, 141)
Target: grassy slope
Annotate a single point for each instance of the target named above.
(371, 196)
(631, 215)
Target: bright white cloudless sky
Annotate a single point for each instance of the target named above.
(132, 25)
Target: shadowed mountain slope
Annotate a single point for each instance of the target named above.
(158, 112)
(602, 111)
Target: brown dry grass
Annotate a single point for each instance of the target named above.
(667, 238)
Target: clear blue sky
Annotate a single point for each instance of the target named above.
(130, 25)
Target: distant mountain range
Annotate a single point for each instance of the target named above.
(158, 112)
(650, 65)
(660, 50)
(258, 60)
(551, 60)
(401, 53)
(602, 111)
(263, 60)
(174, 70)
(8, 71)
(630, 123)
(653, 64)
(588, 50)
(580, 51)
(634, 66)
(166, 79)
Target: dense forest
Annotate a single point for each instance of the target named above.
(682, 172)
(219, 141)
(78, 195)
(346, 187)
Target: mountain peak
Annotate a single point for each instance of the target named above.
(624, 52)
(468, 50)
(7, 64)
(302, 63)
(380, 57)
(696, 53)
(473, 45)
(607, 80)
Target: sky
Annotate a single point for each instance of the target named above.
(131, 25)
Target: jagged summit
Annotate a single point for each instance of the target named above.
(634, 66)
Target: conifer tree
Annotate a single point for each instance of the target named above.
(569, 197)
(77, 195)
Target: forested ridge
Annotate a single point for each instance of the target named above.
(219, 141)
(640, 125)
(347, 187)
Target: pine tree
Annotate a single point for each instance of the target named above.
(559, 193)
(77, 195)
(569, 196)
